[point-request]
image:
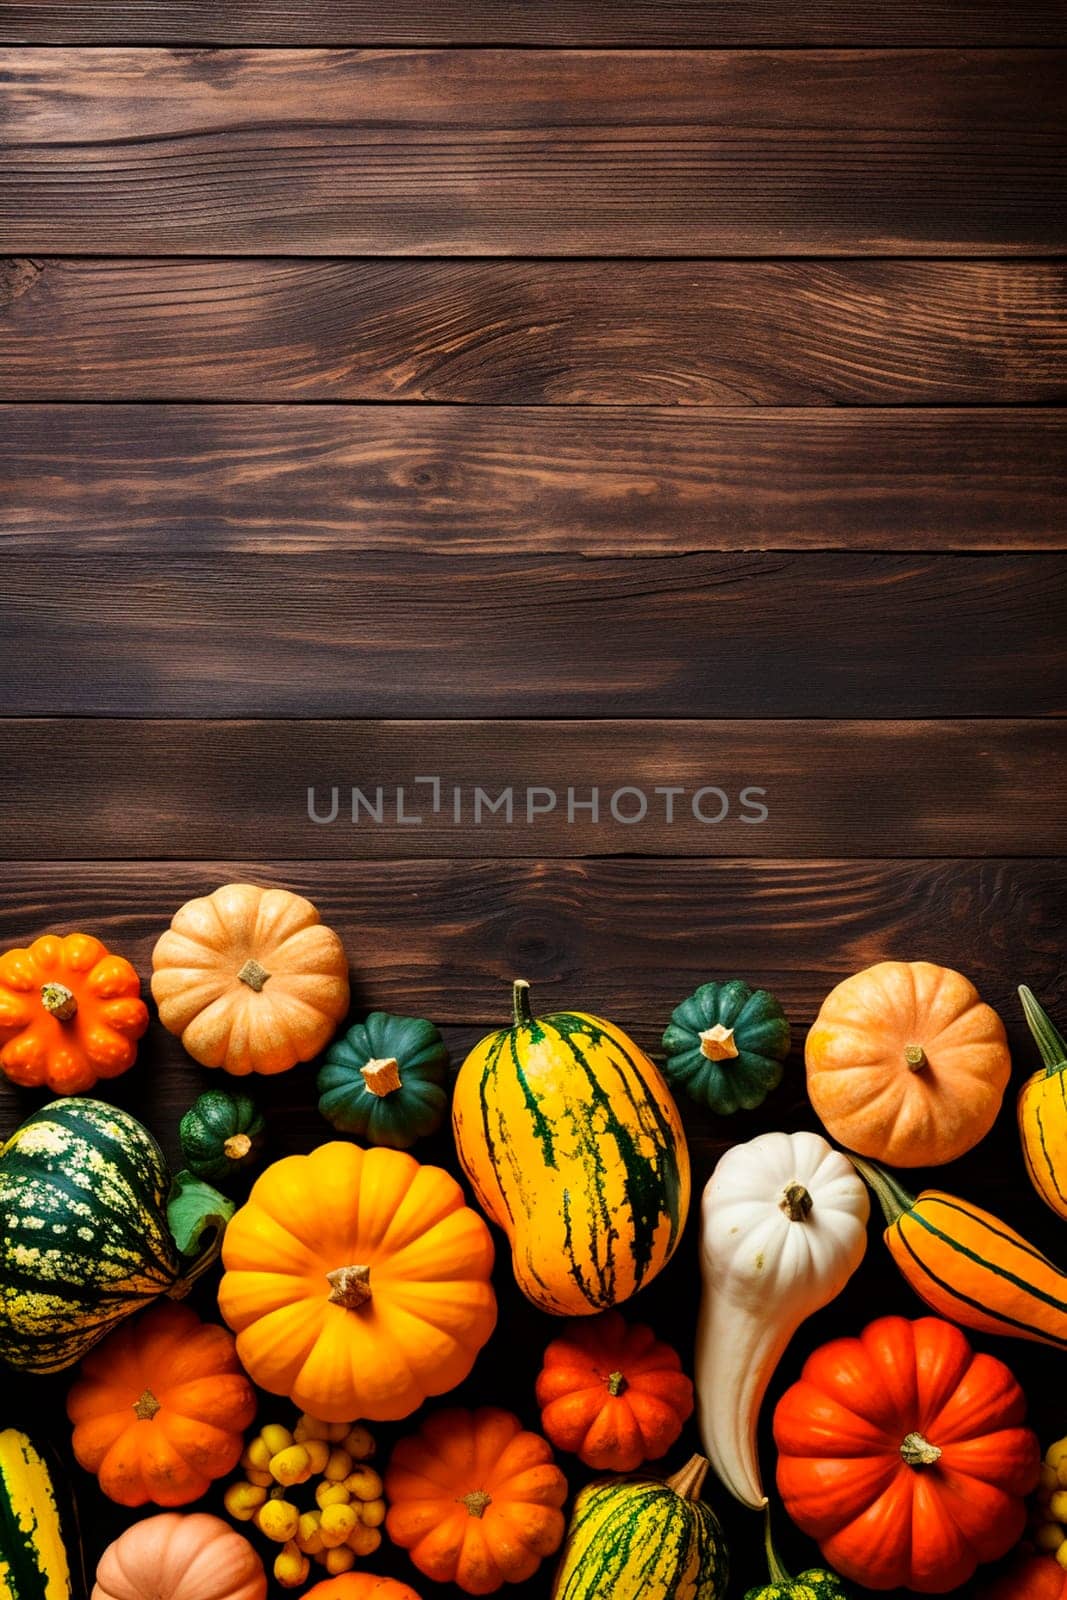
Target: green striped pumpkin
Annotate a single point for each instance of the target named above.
(85, 1241)
(643, 1539)
(574, 1146)
(34, 1561)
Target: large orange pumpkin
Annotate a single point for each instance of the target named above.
(70, 1013)
(180, 1558)
(475, 1500)
(612, 1393)
(361, 1586)
(903, 1453)
(250, 979)
(160, 1408)
(357, 1282)
(906, 1064)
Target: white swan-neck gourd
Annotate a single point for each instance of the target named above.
(784, 1227)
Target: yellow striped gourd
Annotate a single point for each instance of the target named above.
(34, 1563)
(1042, 1110)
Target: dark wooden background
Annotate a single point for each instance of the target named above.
(555, 393)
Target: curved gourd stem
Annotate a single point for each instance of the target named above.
(778, 1574)
(689, 1480)
(1047, 1037)
(520, 1003)
(893, 1198)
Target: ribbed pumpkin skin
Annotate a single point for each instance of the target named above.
(573, 1145)
(33, 1559)
(759, 1038)
(1042, 1111)
(636, 1539)
(209, 1126)
(396, 1119)
(83, 1188)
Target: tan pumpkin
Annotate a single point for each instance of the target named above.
(172, 1557)
(250, 979)
(907, 1064)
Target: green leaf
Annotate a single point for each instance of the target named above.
(195, 1209)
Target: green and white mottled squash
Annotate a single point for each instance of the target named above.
(385, 1081)
(220, 1134)
(85, 1240)
(35, 1563)
(644, 1539)
(725, 1046)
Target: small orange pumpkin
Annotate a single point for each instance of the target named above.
(361, 1586)
(70, 1013)
(475, 1500)
(250, 979)
(1028, 1578)
(612, 1394)
(180, 1558)
(357, 1282)
(159, 1409)
(906, 1064)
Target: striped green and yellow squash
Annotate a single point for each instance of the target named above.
(85, 1243)
(573, 1145)
(34, 1561)
(968, 1265)
(643, 1539)
(1042, 1110)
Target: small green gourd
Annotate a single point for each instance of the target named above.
(726, 1045)
(817, 1583)
(220, 1134)
(385, 1081)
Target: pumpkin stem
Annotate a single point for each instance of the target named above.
(892, 1197)
(59, 1000)
(237, 1146)
(915, 1056)
(520, 1003)
(351, 1287)
(146, 1407)
(477, 1502)
(718, 1043)
(382, 1076)
(796, 1202)
(1046, 1036)
(617, 1385)
(689, 1481)
(777, 1572)
(253, 974)
(919, 1452)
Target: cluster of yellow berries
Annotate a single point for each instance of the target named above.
(349, 1509)
(1050, 1529)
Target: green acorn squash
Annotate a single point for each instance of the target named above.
(38, 1555)
(385, 1081)
(220, 1134)
(643, 1539)
(83, 1193)
(726, 1045)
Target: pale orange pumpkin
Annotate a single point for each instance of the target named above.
(475, 1500)
(160, 1408)
(250, 979)
(180, 1558)
(907, 1064)
(357, 1282)
(361, 1586)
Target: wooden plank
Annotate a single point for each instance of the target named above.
(574, 332)
(520, 788)
(529, 152)
(663, 23)
(414, 634)
(596, 481)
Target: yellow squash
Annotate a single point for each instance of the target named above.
(1042, 1111)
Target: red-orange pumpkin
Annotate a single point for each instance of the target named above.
(903, 1453)
(361, 1586)
(1028, 1578)
(612, 1394)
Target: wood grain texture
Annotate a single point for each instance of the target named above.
(587, 480)
(411, 633)
(393, 152)
(665, 23)
(117, 789)
(564, 332)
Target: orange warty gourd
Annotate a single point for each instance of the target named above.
(180, 1558)
(357, 1282)
(361, 1586)
(906, 1064)
(250, 979)
(475, 1500)
(160, 1408)
(612, 1393)
(70, 1013)
(903, 1454)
